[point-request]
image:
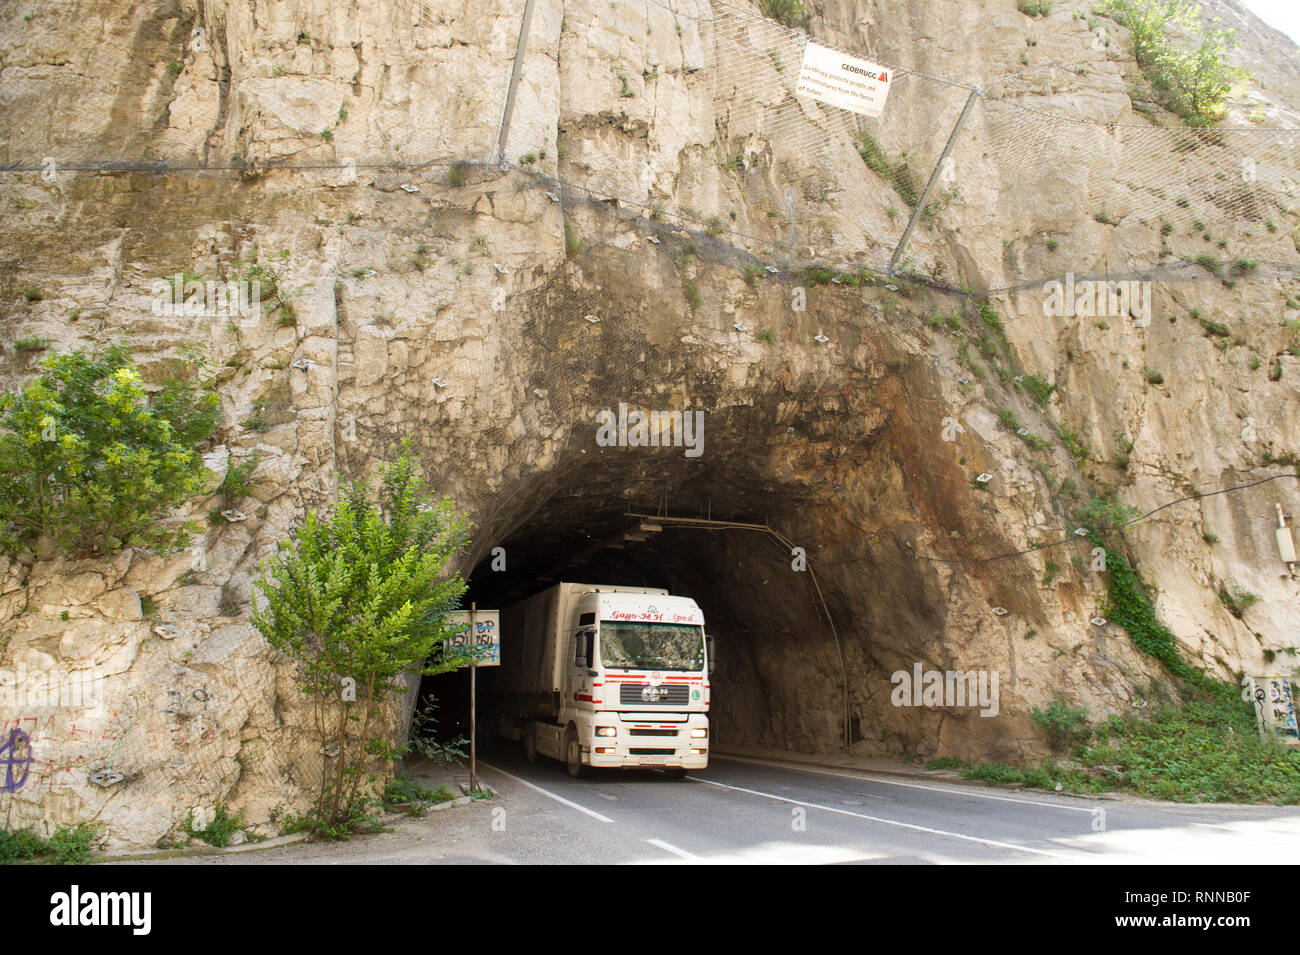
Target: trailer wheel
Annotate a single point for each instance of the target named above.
(573, 754)
(530, 741)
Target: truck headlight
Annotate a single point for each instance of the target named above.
(700, 732)
(606, 731)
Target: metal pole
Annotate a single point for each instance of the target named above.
(473, 675)
(934, 177)
(515, 70)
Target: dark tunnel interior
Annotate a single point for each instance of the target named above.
(778, 678)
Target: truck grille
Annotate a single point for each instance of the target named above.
(652, 752)
(666, 694)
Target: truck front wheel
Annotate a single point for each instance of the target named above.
(573, 754)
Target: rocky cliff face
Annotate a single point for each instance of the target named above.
(657, 165)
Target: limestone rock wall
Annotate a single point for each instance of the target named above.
(454, 308)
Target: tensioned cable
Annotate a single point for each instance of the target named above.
(1075, 538)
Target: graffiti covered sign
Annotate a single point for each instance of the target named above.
(484, 644)
(1274, 699)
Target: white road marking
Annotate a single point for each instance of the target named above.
(680, 853)
(867, 777)
(888, 822)
(544, 792)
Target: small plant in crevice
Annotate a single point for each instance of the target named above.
(229, 605)
(573, 244)
(691, 289)
(897, 174)
(1039, 391)
(790, 13)
(1237, 600)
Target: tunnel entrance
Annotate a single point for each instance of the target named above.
(780, 670)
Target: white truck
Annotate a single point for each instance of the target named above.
(600, 675)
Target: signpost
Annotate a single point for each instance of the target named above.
(479, 639)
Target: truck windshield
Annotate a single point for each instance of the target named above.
(626, 645)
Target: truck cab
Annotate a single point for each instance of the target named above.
(636, 691)
(606, 675)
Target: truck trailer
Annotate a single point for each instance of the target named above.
(605, 676)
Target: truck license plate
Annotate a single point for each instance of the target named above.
(651, 761)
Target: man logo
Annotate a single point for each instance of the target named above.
(654, 694)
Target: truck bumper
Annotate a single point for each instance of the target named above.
(634, 746)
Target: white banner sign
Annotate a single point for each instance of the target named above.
(485, 643)
(838, 79)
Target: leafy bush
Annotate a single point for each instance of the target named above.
(1207, 749)
(1064, 724)
(1193, 84)
(405, 791)
(88, 460)
(20, 844)
(993, 773)
(1106, 513)
(359, 600)
(218, 830)
(424, 739)
(944, 762)
(68, 845)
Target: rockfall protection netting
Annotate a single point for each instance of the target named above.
(772, 180)
(764, 190)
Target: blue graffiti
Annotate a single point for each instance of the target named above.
(16, 756)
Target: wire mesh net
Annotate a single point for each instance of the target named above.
(778, 179)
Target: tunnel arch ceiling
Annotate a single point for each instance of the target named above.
(836, 445)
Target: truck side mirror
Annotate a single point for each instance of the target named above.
(580, 650)
(709, 644)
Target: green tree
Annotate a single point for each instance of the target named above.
(87, 460)
(1193, 83)
(359, 599)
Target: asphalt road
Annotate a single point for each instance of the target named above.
(740, 811)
